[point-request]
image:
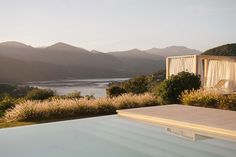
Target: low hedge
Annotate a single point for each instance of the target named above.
(209, 99)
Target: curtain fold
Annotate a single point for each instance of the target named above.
(222, 70)
(200, 70)
(181, 64)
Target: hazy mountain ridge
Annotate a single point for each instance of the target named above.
(173, 51)
(64, 61)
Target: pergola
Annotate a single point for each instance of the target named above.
(215, 71)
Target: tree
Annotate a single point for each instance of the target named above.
(114, 90)
(171, 89)
(136, 85)
(40, 94)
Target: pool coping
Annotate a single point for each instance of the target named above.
(176, 120)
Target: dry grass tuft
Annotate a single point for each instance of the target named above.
(69, 108)
(209, 99)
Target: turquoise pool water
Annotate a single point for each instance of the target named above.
(107, 136)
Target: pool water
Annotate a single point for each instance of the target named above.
(106, 136)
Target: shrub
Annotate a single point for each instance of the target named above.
(68, 108)
(89, 97)
(228, 102)
(14, 91)
(200, 98)
(209, 99)
(73, 95)
(114, 90)
(6, 103)
(136, 85)
(105, 109)
(40, 94)
(170, 90)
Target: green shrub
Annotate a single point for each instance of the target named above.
(209, 99)
(170, 89)
(105, 109)
(137, 85)
(114, 90)
(40, 94)
(15, 91)
(6, 103)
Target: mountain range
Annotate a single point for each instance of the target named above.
(20, 62)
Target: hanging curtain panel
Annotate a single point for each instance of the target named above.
(200, 70)
(222, 70)
(180, 64)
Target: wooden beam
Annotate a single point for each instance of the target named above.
(195, 66)
(167, 67)
(206, 64)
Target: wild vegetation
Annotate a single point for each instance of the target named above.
(170, 89)
(136, 85)
(224, 50)
(28, 105)
(40, 94)
(14, 90)
(68, 108)
(11, 95)
(209, 99)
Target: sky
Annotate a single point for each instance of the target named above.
(111, 25)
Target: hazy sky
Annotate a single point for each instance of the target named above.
(108, 25)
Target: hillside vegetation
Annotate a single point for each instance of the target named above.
(224, 50)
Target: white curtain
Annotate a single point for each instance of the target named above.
(181, 64)
(200, 70)
(221, 70)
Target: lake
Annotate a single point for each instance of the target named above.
(97, 87)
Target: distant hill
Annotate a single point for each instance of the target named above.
(14, 70)
(224, 50)
(20, 62)
(136, 60)
(173, 51)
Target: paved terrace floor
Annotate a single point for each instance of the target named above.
(203, 121)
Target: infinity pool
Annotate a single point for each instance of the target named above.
(107, 136)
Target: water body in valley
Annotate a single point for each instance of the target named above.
(97, 87)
